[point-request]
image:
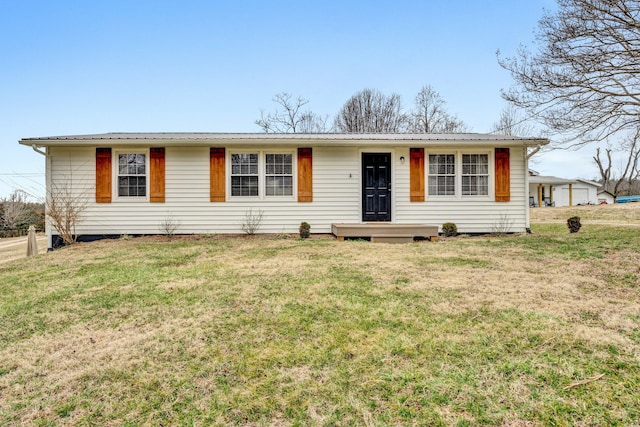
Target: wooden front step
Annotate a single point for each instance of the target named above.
(378, 230)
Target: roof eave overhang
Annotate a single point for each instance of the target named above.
(550, 180)
(189, 140)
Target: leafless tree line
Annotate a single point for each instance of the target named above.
(17, 212)
(430, 115)
(368, 111)
(290, 118)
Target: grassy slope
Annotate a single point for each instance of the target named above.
(624, 213)
(465, 331)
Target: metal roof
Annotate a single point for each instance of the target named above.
(554, 180)
(538, 179)
(207, 138)
(586, 181)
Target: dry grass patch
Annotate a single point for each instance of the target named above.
(272, 331)
(614, 214)
(13, 248)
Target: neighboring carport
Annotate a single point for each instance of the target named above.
(541, 191)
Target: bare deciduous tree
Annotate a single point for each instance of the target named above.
(64, 209)
(605, 170)
(290, 118)
(630, 170)
(512, 123)
(370, 111)
(583, 79)
(431, 116)
(14, 210)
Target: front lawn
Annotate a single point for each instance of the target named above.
(523, 330)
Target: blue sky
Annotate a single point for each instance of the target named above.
(74, 67)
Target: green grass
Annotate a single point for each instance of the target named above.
(467, 331)
(593, 241)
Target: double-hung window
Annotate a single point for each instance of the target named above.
(442, 174)
(132, 175)
(475, 174)
(459, 174)
(261, 174)
(279, 174)
(244, 174)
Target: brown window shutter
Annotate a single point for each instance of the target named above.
(217, 191)
(503, 175)
(305, 175)
(156, 171)
(416, 174)
(103, 175)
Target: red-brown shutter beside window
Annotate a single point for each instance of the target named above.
(416, 174)
(217, 191)
(305, 175)
(156, 172)
(503, 175)
(103, 175)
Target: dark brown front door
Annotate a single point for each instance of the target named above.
(376, 187)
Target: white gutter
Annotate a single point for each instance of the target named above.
(38, 150)
(527, 208)
(47, 226)
(528, 154)
(534, 151)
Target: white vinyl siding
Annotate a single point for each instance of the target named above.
(335, 186)
(472, 214)
(336, 195)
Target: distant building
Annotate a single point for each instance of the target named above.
(554, 191)
(606, 197)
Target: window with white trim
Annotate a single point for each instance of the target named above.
(475, 174)
(244, 174)
(459, 174)
(260, 174)
(279, 175)
(132, 175)
(442, 174)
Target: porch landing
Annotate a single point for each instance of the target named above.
(385, 232)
